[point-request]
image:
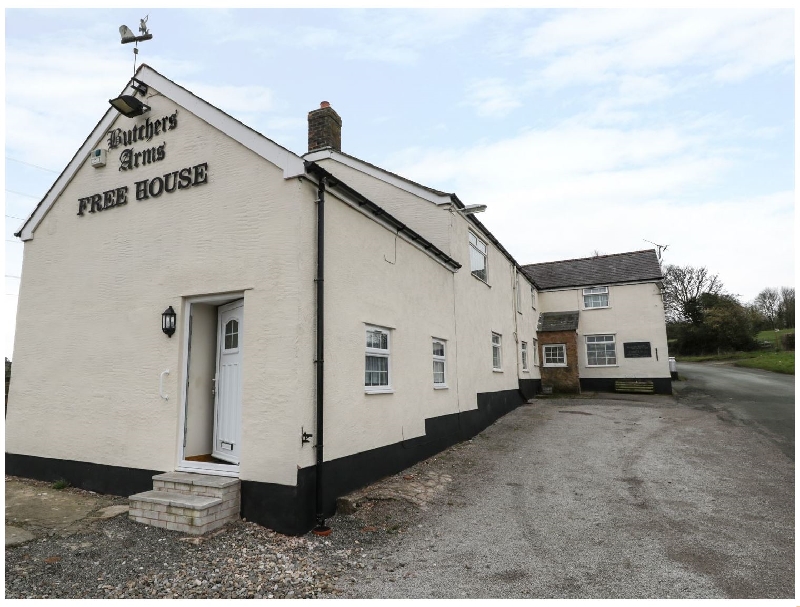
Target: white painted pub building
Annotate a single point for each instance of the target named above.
(197, 298)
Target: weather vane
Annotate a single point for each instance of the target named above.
(128, 36)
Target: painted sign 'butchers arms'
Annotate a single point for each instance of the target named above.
(131, 158)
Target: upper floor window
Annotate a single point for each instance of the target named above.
(595, 297)
(477, 257)
(439, 364)
(377, 370)
(524, 356)
(533, 298)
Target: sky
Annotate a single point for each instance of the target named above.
(583, 131)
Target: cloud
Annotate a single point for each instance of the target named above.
(385, 36)
(563, 192)
(631, 58)
(587, 46)
(492, 97)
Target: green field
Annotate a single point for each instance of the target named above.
(779, 362)
(769, 335)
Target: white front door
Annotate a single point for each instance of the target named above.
(228, 390)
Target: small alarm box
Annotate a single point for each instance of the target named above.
(99, 158)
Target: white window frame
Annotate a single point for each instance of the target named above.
(562, 347)
(381, 353)
(592, 292)
(474, 246)
(497, 345)
(535, 344)
(442, 359)
(533, 297)
(596, 340)
(524, 350)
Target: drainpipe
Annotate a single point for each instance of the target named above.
(321, 528)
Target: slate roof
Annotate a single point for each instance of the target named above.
(600, 270)
(558, 321)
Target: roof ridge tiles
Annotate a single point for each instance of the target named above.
(542, 263)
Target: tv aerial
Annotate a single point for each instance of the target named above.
(128, 36)
(660, 248)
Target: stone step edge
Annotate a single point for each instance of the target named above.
(199, 480)
(178, 500)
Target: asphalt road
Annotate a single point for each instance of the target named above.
(762, 399)
(586, 498)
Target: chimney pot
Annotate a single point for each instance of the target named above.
(324, 104)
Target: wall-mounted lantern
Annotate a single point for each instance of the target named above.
(168, 321)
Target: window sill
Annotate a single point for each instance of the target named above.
(598, 308)
(526, 370)
(497, 370)
(553, 365)
(479, 279)
(378, 390)
(440, 387)
(601, 366)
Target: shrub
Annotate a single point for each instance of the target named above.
(60, 484)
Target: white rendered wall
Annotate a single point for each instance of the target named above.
(380, 279)
(635, 314)
(89, 348)
(486, 307)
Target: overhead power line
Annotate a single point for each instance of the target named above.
(30, 164)
(21, 194)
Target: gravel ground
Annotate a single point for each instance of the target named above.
(122, 559)
(615, 500)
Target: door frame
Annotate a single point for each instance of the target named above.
(181, 464)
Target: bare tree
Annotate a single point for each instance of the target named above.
(683, 286)
(767, 303)
(786, 307)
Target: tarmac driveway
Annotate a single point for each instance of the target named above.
(585, 498)
(645, 497)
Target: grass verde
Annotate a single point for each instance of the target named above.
(781, 361)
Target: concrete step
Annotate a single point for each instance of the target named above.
(176, 500)
(187, 502)
(196, 484)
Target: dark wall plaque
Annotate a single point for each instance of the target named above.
(637, 349)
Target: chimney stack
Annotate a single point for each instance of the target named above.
(324, 128)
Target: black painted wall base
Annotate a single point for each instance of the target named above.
(100, 478)
(291, 509)
(662, 385)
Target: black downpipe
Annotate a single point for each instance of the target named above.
(320, 528)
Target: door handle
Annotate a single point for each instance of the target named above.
(161, 384)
